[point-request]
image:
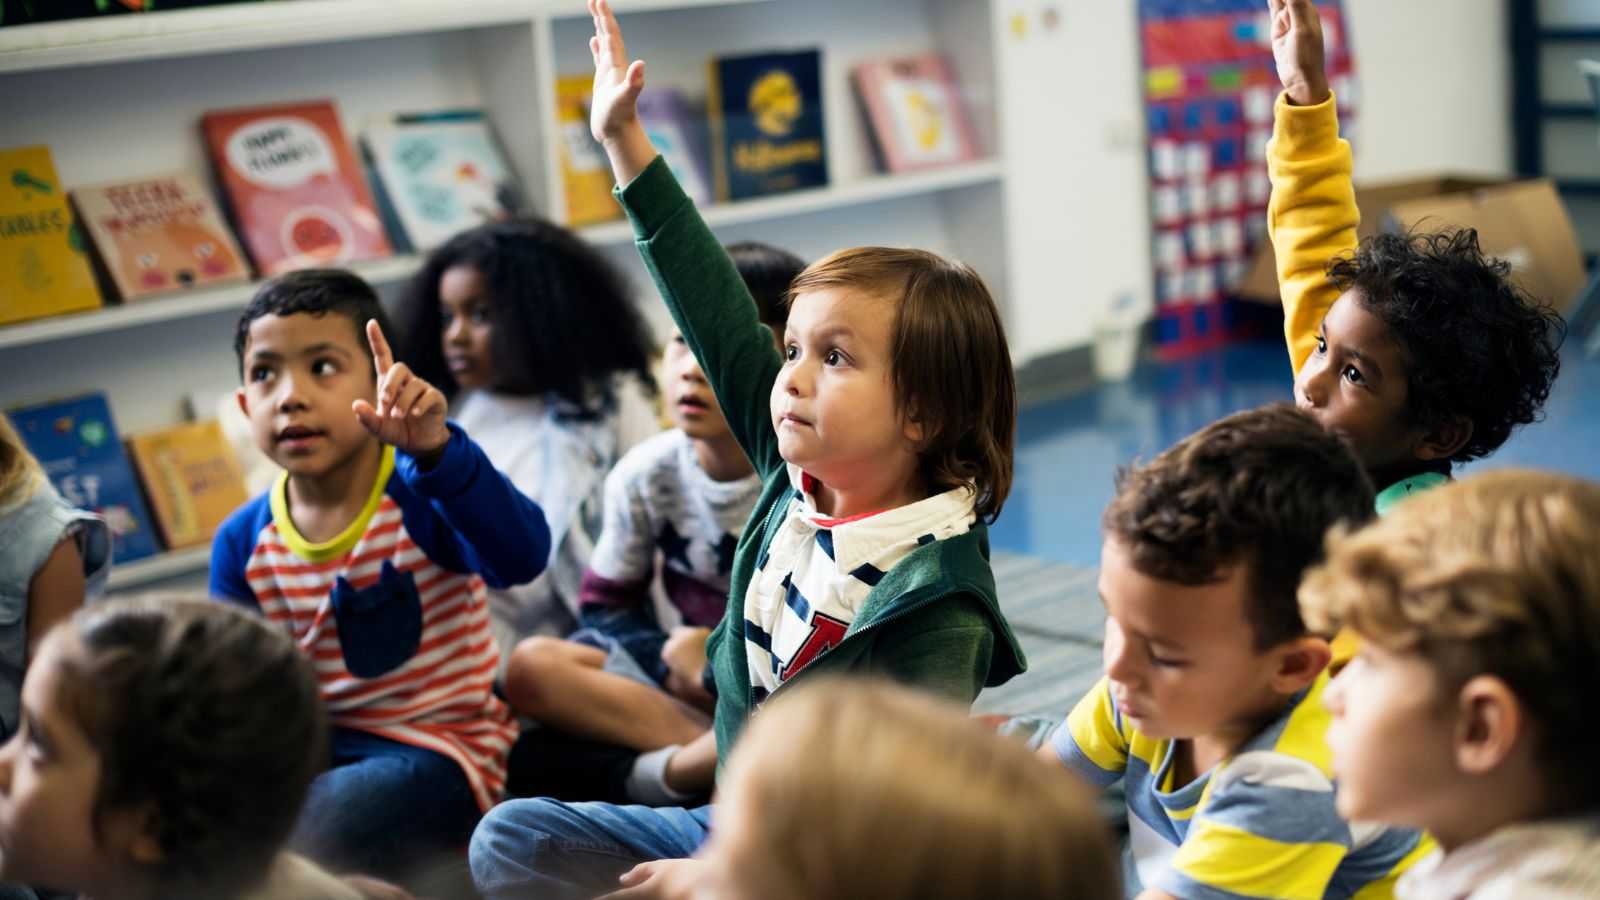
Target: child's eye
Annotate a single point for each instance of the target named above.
(1322, 344)
(324, 367)
(1166, 662)
(1353, 375)
(680, 340)
(260, 373)
(479, 315)
(791, 352)
(834, 358)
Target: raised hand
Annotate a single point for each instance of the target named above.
(1297, 50)
(614, 108)
(410, 413)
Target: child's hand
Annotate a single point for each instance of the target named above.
(1297, 48)
(614, 109)
(685, 656)
(410, 412)
(664, 879)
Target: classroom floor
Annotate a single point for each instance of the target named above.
(1068, 449)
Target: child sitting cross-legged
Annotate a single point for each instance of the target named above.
(165, 748)
(373, 550)
(1210, 712)
(882, 435)
(1469, 710)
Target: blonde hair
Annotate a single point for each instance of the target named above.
(20, 475)
(1498, 575)
(867, 789)
(950, 361)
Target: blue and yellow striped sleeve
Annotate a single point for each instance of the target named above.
(1268, 828)
(1092, 742)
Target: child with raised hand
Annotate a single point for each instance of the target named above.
(1210, 712)
(681, 497)
(530, 334)
(1469, 710)
(373, 550)
(883, 438)
(1416, 348)
(166, 746)
(54, 558)
(870, 789)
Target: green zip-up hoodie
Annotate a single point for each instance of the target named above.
(934, 620)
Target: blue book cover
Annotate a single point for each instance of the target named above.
(76, 442)
(438, 174)
(766, 111)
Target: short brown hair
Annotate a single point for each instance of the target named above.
(206, 714)
(870, 789)
(952, 366)
(1498, 575)
(1259, 488)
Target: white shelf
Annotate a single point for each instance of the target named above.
(836, 196)
(178, 306)
(194, 32)
(159, 568)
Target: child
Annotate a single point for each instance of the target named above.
(1469, 710)
(546, 362)
(687, 493)
(372, 551)
(883, 438)
(845, 789)
(166, 745)
(1416, 348)
(1210, 711)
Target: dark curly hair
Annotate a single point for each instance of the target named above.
(316, 292)
(1260, 487)
(1475, 346)
(206, 714)
(563, 320)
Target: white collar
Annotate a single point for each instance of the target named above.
(865, 538)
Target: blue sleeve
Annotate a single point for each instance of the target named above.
(468, 517)
(231, 549)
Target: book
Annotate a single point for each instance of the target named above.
(585, 173)
(191, 479)
(293, 186)
(767, 124)
(160, 234)
(76, 442)
(678, 131)
(438, 174)
(914, 112)
(44, 266)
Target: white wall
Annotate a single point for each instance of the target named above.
(1435, 87)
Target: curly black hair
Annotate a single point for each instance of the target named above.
(1475, 345)
(563, 320)
(316, 292)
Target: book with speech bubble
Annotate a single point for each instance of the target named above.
(296, 192)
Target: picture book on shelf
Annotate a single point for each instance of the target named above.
(76, 443)
(437, 174)
(914, 113)
(294, 187)
(767, 123)
(678, 131)
(585, 173)
(160, 234)
(191, 478)
(44, 264)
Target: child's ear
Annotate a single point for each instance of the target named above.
(1444, 441)
(1299, 662)
(244, 405)
(1490, 723)
(137, 833)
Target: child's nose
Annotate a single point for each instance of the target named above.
(1311, 387)
(289, 393)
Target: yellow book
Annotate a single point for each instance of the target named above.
(585, 173)
(192, 479)
(44, 269)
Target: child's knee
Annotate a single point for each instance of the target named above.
(536, 672)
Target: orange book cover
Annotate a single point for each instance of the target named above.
(192, 479)
(44, 266)
(297, 194)
(161, 234)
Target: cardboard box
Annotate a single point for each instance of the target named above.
(1522, 222)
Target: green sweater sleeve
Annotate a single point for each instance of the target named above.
(711, 305)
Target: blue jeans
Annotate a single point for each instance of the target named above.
(548, 849)
(385, 808)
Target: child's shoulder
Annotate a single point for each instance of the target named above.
(246, 522)
(658, 456)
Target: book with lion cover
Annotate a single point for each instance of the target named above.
(767, 123)
(44, 266)
(160, 234)
(297, 194)
(192, 479)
